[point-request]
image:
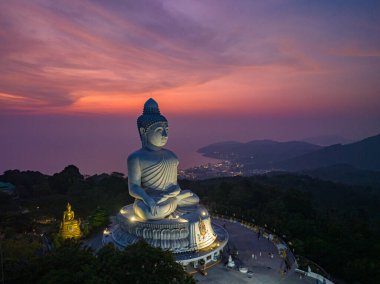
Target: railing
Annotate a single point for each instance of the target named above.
(321, 279)
(306, 264)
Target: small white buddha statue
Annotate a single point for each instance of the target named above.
(152, 170)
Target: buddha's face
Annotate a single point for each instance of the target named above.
(157, 134)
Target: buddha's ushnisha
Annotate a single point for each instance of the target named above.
(152, 170)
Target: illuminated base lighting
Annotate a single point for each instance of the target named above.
(188, 233)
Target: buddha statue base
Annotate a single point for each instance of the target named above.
(187, 229)
(70, 229)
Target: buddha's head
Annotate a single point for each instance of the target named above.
(152, 126)
(68, 207)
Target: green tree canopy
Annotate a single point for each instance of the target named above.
(73, 263)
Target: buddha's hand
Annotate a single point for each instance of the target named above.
(173, 191)
(151, 204)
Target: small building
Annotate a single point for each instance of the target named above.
(7, 187)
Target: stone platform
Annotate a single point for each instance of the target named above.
(187, 232)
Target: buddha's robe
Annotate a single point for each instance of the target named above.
(68, 215)
(158, 177)
(161, 175)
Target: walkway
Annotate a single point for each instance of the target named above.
(266, 270)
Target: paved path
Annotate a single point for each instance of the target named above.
(247, 243)
(266, 270)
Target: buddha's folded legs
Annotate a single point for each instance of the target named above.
(160, 211)
(187, 198)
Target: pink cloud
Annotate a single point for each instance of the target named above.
(98, 57)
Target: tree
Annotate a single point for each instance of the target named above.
(74, 263)
(140, 263)
(28, 183)
(69, 263)
(17, 253)
(99, 218)
(69, 177)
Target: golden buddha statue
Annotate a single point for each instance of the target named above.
(69, 214)
(70, 228)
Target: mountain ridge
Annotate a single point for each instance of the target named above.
(257, 153)
(364, 154)
(297, 155)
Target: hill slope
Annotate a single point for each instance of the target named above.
(346, 174)
(364, 154)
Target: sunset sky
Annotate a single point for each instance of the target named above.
(75, 75)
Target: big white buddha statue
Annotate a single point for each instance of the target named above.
(162, 214)
(152, 170)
